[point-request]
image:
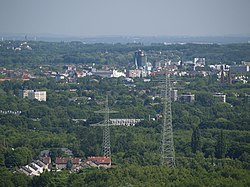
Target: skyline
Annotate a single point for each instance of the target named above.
(85, 18)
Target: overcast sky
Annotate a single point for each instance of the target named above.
(125, 17)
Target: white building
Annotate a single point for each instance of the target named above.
(174, 95)
(200, 61)
(35, 168)
(124, 122)
(33, 94)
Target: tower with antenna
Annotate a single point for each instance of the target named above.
(106, 130)
(167, 141)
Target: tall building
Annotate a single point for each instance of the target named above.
(140, 59)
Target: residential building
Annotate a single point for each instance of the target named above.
(39, 95)
(220, 97)
(187, 98)
(33, 94)
(239, 68)
(124, 122)
(61, 162)
(200, 61)
(174, 95)
(35, 168)
(25, 93)
(99, 161)
(134, 73)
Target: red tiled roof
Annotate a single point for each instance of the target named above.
(100, 159)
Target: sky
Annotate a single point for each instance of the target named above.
(126, 17)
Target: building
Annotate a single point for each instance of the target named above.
(33, 94)
(134, 73)
(124, 122)
(35, 168)
(99, 161)
(39, 95)
(109, 73)
(25, 93)
(220, 97)
(187, 98)
(239, 68)
(61, 162)
(174, 95)
(140, 59)
(200, 61)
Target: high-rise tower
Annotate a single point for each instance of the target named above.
(167, 144)
(140, 59)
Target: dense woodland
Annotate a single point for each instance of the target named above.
(120, 55)
(212, 139)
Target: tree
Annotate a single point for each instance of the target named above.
(196, 140)
(220, 149)
(205, 98)
(18, 157)
(69, 165)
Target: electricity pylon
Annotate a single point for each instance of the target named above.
(106, 130)
(167, 144)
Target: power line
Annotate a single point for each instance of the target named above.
(106, 130)
(167, 142)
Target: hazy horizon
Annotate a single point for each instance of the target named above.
(93, 18)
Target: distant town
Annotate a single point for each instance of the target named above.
(73, 110)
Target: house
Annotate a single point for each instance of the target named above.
(61, 162)
(26, 171)
(35, 168)
(99, 161)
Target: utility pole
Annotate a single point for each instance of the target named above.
(106, 130)
(167, 144)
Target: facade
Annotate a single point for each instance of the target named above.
(109, 74)
(39, 95)
(33, 94)
(124, 122)
(220, 97)
(200, 61)
(140, 59)
(134, 73)
(25, 93)
(174, 95)
(187, 98)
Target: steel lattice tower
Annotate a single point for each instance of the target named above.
(167, 144)
(106, 130)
